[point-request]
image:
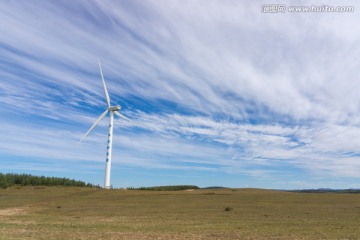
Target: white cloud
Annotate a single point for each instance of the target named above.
(313, 148)
(204, 58)
(226, 66)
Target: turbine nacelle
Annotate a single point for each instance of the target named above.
(114, 108)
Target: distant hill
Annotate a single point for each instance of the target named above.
(166, 188)
(10, 179)
(327, 190)
(215, 187)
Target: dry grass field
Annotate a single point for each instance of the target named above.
(85, 213)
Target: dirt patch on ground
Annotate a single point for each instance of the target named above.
(12, 211)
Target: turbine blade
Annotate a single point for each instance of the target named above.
(94, 125)
(122, 116)
(105, 89)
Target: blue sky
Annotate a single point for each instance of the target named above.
(219, 93)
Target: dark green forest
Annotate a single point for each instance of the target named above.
(10, 179)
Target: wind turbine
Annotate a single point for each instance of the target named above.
(113, 110)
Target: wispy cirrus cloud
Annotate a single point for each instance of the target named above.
(217, 84)
(207, 64)
(313, 148)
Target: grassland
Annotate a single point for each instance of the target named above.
(86, 213)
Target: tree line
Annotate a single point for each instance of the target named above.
(165, 188)
(9, 179)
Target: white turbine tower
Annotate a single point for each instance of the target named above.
(113, 110)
